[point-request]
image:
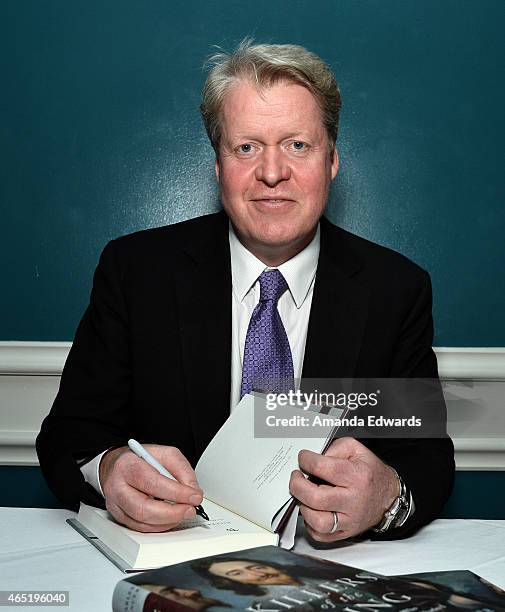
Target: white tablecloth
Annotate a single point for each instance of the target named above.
(39, 551)
(445, 544)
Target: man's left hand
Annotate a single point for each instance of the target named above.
(360, 489)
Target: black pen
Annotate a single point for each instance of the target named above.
(141, 452)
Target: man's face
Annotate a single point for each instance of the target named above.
(274, 167)
(191, 598)
(248, 572)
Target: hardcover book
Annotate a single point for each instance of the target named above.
(272, 579)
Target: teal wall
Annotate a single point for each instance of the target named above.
(101, 136)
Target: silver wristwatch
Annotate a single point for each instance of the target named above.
(398, 512)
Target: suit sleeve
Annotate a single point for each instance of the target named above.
(426, 464)
(90, 412)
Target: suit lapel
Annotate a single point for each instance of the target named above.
(338, 312)
(203, 289)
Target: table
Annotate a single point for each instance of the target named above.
(39, 551)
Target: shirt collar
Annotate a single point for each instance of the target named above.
(299, 271)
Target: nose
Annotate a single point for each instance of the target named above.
(273, 167)
(260, 573)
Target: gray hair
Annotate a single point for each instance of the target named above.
(264, 66)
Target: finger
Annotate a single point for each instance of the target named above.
(177, 464)
(322, 522)
(345, 448)
(326, 537)
(336, 471)
(122, 517)
(144, 509)
(319, 497)
(143, 477)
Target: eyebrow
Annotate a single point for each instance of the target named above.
(245, 137)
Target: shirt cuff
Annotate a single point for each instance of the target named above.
(91, 472)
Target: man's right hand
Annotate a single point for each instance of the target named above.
(130, 486)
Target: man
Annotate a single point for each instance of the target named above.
(191, 599)
(204, 308)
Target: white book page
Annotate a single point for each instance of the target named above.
(249, 475)
(287, 537)
(224, 531)
(221, 521)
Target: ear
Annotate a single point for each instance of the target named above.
(216, 168)
(334, 163)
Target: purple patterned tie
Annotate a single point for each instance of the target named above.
(268, 364)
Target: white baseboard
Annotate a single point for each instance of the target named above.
(29, 380)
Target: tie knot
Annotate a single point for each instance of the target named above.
(272, 285)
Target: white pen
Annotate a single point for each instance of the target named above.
(141, 452)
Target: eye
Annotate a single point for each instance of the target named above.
(245, 148)
(298, 146)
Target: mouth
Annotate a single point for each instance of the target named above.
(273, 202)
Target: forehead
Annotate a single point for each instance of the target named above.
(222, 567)
(284, 106)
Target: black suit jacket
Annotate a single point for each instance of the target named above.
(156, 339)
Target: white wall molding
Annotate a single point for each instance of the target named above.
(475, 363)
(18, 447)
(29, 379)
(37, 358)
(48, 358)
(480, 454)
(25, 399)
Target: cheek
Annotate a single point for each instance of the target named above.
(311, 178)
(234, 179)
(314, 198)
(313, 181)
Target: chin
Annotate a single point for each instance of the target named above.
(277, 235)
(276, 240)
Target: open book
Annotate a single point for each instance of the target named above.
(245, 476)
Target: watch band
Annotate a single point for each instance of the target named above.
(398, 512)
